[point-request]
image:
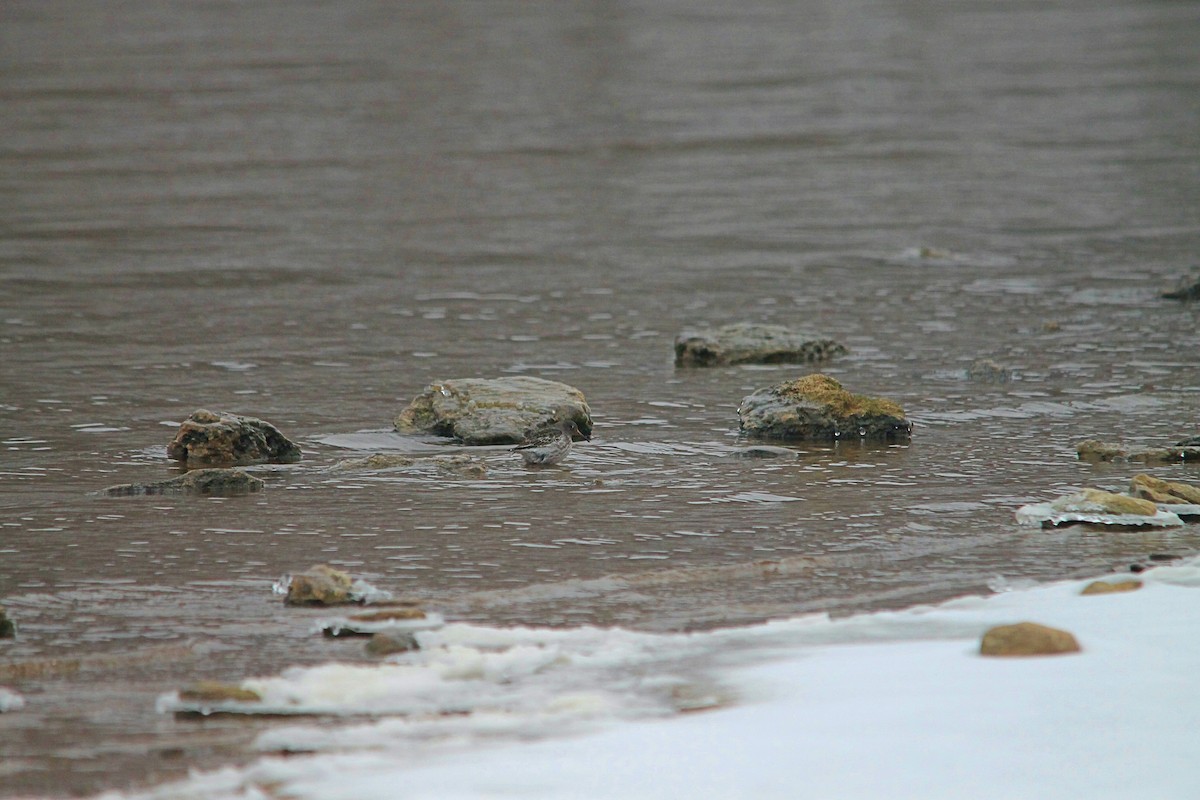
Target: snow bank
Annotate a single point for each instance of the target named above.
(893, 705)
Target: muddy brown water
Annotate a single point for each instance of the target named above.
(308, 211)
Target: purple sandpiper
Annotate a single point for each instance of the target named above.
(550, 446)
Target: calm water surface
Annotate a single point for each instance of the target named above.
(308, 211)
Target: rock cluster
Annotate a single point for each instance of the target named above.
(816, 407)
(748, 343)
(211, 482)
(1027, 639)
(206, 439)
(494, 411)
(1095, 451)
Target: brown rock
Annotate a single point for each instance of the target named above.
(217, 692)
(206, 439)
(385, 644)
(751, 343)
(1097, 501)
(1027, 639)
(1111, 587)
(388, 614)
(207, 482)
(816, 407)
(321, 585)
(1160, 491)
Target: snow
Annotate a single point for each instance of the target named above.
(895, 705)
(10, 700)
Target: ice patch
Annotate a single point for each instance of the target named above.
(10, 700)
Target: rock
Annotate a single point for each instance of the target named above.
(321, 585)
(764, 451)
(1097, 507)
(217, 692)
(494, 411)
(987, 371)
(208, 439)
(1168, 492)
(749, 343)
(1098, 501)
(1111, 587)
(1187, 290)
(1096, 451)
(385, 644)
(8, 628)
(214, 482)
(1193, 441)
(402, 612)
(1027, 639)
(817, 407)
(459, 463)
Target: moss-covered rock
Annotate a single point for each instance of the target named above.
(749, 343)
(816, 407)
(1027, 639)
(494, 411)
(206, 439)
(209, 482)
(321, 585)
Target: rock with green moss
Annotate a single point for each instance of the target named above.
(206, 439)
(817, 408)
(749, 343)
(208, 482)
(494, 411)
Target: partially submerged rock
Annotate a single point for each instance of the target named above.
(1096, 451)
(764, 451)
(322, 585)
(217, 692)
(1111, 587)
(986, 370)
(396, 616)
(208, 439)
(8, 628)
(211, 482)
(1157, 490)
(1187, 290)
(816, 407)
(1097, 507)
(386, 644)
(459, 463)
(1027, 639)
(494, 411)
(749, 343)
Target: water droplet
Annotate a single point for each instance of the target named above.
(862, 432)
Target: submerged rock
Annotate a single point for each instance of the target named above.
(749, 343)
(1096, 451)
(459, 463)
(1027, 639)
(212, 482)
(217, 692)
(1187, 290)
(385, 644)
(816, 407)
(1111, 587)
(1097, 507)
(764, 451)
(987, 371)
(8, 628)
(494, 411)
(208, 439)
(1167, 492)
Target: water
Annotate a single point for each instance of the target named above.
(308, 211)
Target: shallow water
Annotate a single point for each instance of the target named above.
(307, 212)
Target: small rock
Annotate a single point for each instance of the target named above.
(494, 411)
(217, 692)
(385, 644)
(1159, 491)
(321, 585)
(749, 343)
(764, 451)
(1027, 639)
(1193, 441)
(459, 463)
(987, 371)
(1111, 587)
(1096, 451)
(212, 482)
(8, 628)
(1187, 290)
(208, 439)
(816, 407)
(390, 614)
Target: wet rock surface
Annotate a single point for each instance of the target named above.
(1096, 451)
(749, 343)
(1099, 507)
(206, 439)
(210, 482)
(321, 585)
(816, 407)
(460, 464)
(1027, 639)
(494, 411)
(1158, 490)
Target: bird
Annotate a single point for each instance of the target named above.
(551, 446)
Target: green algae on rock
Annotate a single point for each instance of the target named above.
(750, 343)
(494, 411)
(208, 439)
(816, 407)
